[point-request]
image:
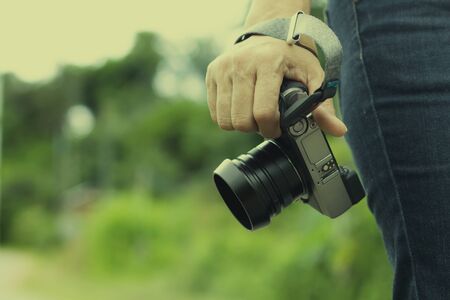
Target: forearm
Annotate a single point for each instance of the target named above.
(262, 10)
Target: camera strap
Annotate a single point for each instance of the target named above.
(291, 30)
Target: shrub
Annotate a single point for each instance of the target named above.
(129, 235)
(34, 227)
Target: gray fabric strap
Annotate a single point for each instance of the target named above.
(312, 27)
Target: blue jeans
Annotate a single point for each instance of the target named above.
(395, 100)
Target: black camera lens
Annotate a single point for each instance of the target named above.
(257, 185)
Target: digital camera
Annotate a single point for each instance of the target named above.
(299, 165)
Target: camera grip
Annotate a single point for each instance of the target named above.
(290, 92)
(296, 103)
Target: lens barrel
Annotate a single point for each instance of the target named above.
(257, 185)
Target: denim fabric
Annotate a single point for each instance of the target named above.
(395, 100)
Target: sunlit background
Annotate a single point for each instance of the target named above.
(106, 154)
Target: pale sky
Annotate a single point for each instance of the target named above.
(36, 36)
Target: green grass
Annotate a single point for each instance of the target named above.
(132, 247)
(188, 246)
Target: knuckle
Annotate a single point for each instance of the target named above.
(241, 69)
(319, 73)
(222, 62)
(315, 76)
(208, 80)
(224, 123)
(217, 65)
(211, 90)
(212, 103)
(243, 123)
(210, 69)
(266, 115)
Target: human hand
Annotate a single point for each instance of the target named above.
(243, 86)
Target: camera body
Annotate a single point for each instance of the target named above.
(327, 187)
(299, 164)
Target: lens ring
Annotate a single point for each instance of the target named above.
(257, 185)
(263, 183)
(300, 180)
(246, 203)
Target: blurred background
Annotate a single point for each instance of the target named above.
(106, 154)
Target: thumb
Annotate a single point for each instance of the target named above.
(325, 117)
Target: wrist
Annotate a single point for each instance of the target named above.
(263, 10)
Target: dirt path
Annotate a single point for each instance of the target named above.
(15, 269)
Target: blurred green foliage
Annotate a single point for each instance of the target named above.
(199, 251)
(130, 235)
(34, 227)
(140, 139)
(133, 201)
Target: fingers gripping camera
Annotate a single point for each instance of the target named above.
(300, 164)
